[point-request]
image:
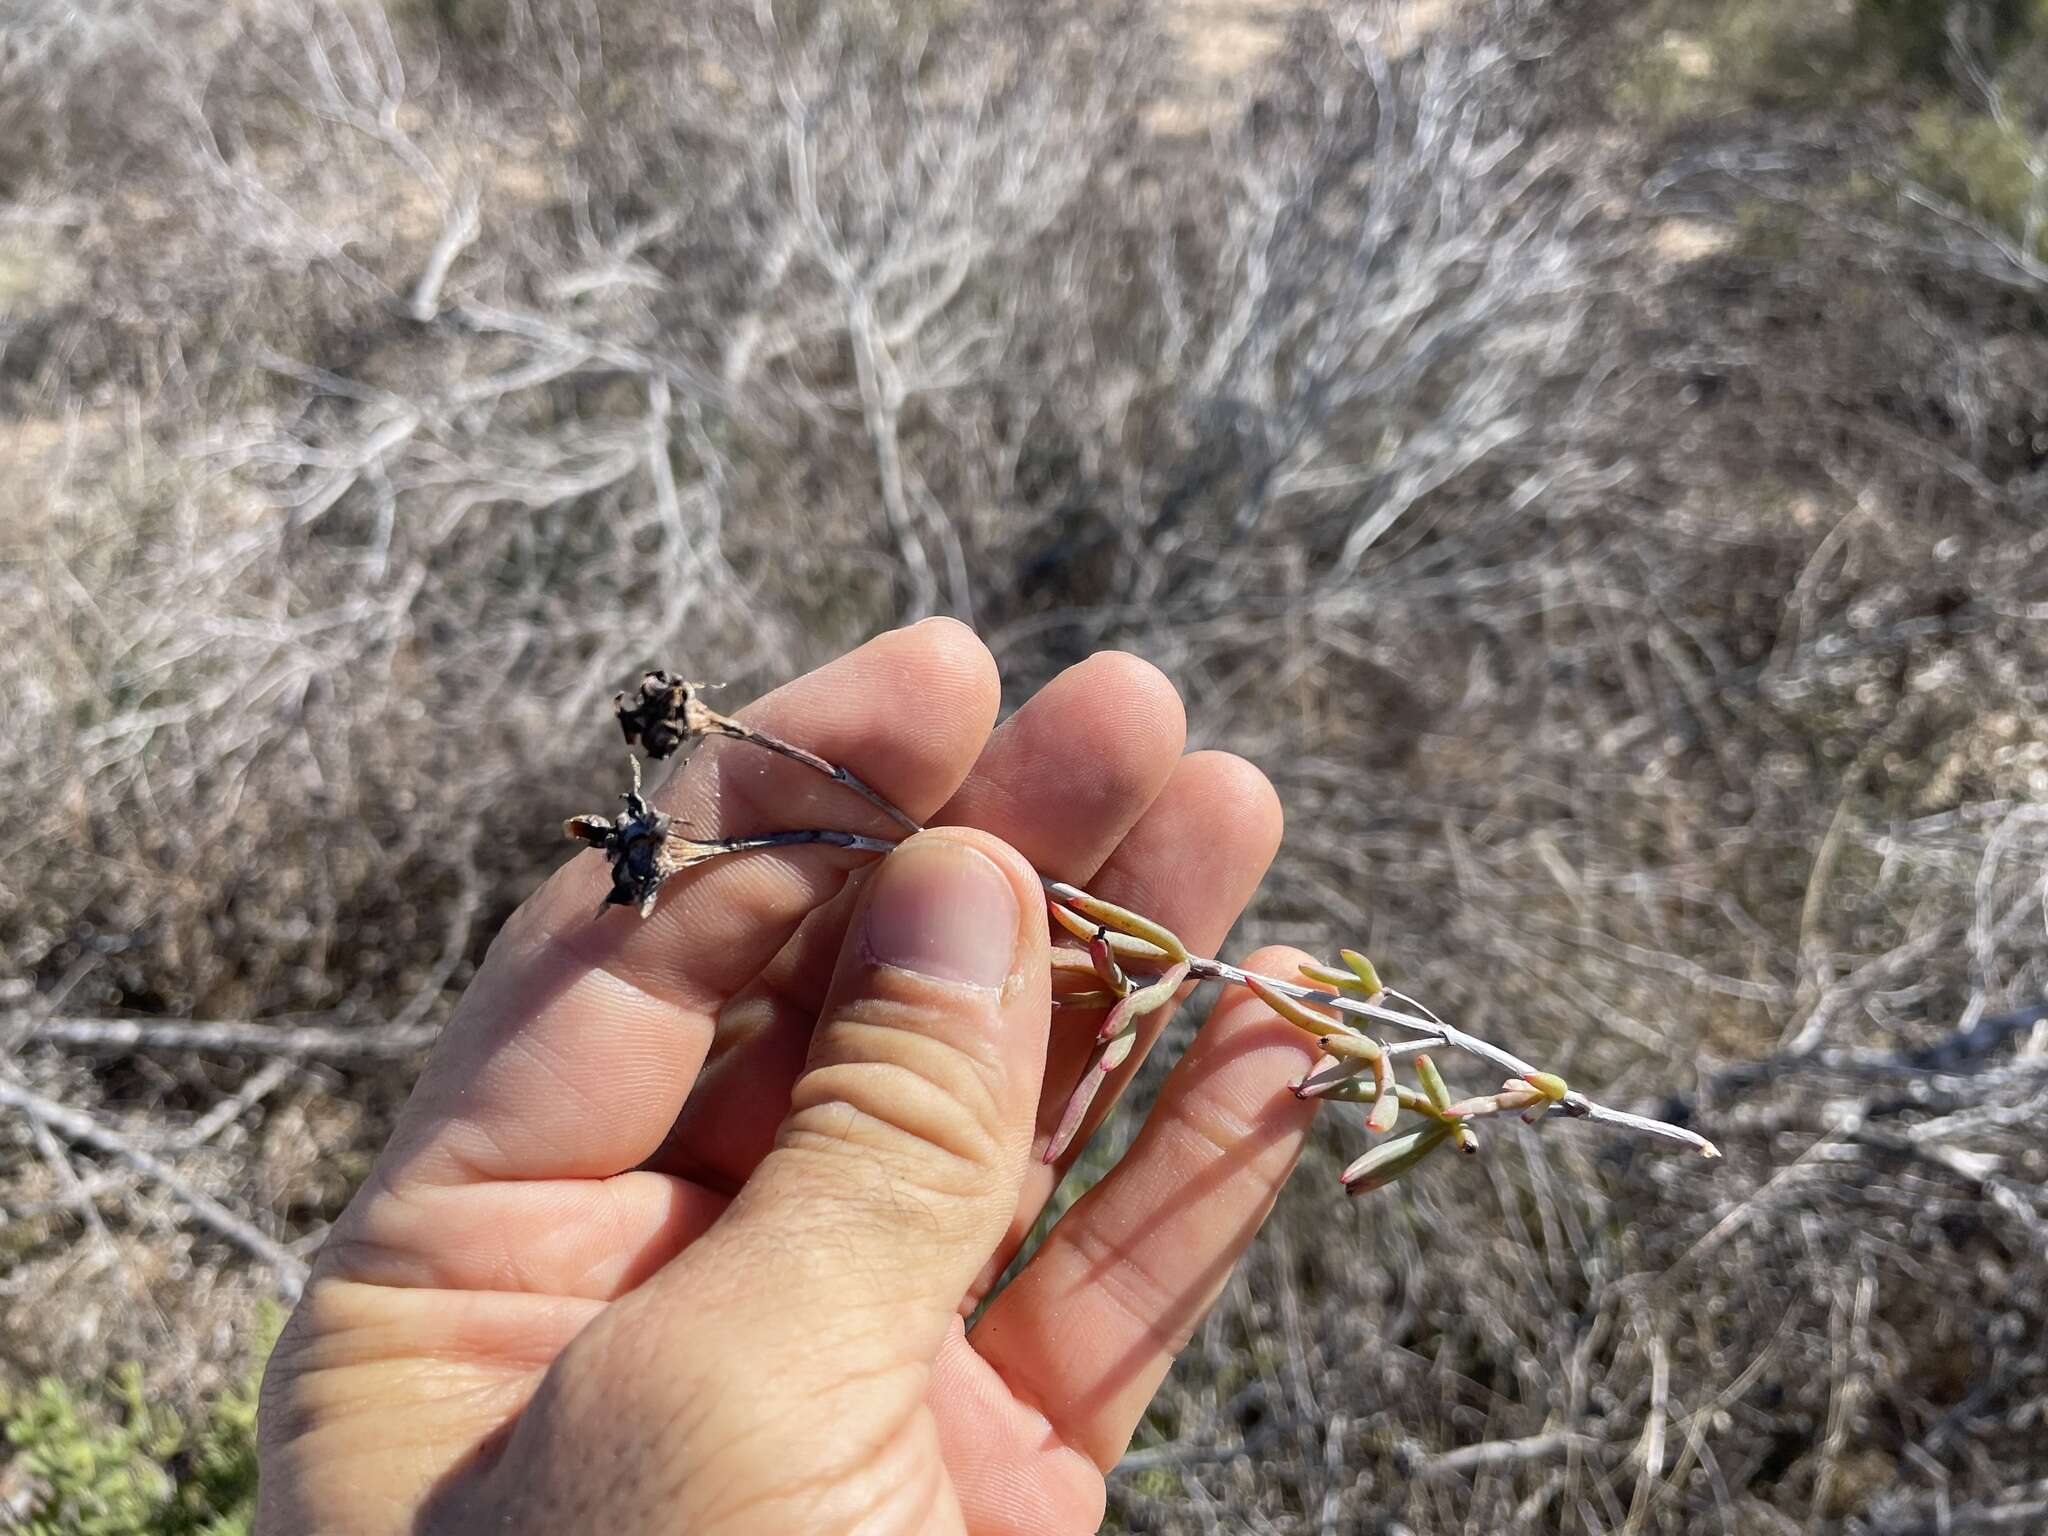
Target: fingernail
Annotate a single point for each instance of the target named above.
(944, 910)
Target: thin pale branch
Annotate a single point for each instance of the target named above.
(667, 712)
(83, 1129)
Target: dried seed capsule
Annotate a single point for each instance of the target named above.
(662, 715)
(641, 846)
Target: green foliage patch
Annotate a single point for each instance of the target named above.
(1983, 164)
(107, 1461)
(1704, 58)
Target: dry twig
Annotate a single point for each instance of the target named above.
(290, 1271)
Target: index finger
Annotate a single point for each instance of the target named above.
(577, 1042)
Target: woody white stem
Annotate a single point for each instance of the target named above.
(1428, 1031)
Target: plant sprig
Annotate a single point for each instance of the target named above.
(1336, 1004)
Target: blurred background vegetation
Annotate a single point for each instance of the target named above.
(1594, 456)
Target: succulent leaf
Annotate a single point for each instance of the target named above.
(1389, 1160)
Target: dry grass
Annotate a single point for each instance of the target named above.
(1647, 635)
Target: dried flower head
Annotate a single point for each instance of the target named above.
(663, 714)
(643, 847)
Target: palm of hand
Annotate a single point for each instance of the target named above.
(631, 1264)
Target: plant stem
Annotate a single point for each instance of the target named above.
(827, 836)
(734, 730)
(1429, 1032)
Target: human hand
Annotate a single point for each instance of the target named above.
(681, 1226)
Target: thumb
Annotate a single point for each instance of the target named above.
(897, 1171)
